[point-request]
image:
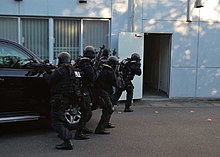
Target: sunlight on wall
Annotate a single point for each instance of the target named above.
(180, 28)
(173, 13)
(214, 91)
(152, 21)
(97, 1)
(66, 12)
(93, 8)
(79, 10)
(167, 3)
(121, 6)
(194, 28)
(151, 25)
(218, 73)
(151, 4)
(106, 12)
(187, 54)
(92, 13)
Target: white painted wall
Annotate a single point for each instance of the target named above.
(71, 8)
(195, 46)
(195, 66)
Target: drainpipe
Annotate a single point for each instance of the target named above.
(133, 12)
(189, 10)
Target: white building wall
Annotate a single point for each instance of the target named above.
(208, 78)
(120, 20)
(67, 8)
(9, 7)
(195, 52)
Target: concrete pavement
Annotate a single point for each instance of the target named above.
(156, 128)
(177, 128)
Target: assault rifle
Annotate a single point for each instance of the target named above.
(100, 53)
(39, 68)
(114, 52)
(102, 56)
(97, 60)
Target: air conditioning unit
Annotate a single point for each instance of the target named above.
(199, 3)
(82, 1)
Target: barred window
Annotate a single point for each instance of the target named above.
(34, 36)
(67, 36)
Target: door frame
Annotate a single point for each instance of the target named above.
(156, 43)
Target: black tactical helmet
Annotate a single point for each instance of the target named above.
(89, 51)
(64, 57)
(135, 57)
(112, 60)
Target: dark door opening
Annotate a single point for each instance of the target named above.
(156, 71)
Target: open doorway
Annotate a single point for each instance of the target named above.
(156, 71)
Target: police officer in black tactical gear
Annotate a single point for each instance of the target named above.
(128, 69)
(88, 79)
(61, 98)
(104, 89)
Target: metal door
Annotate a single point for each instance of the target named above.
(130, 42)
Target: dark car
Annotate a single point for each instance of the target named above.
(24, 93)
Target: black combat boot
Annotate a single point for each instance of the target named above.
(66, 145)
(109, 125)
(128, 109)
(100, 129)
(79, 135)
(103, 132)
(86, 130)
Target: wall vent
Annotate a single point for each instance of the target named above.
(82, 1)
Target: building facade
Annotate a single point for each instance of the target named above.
(181, 49)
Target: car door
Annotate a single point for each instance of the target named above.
(20, 85)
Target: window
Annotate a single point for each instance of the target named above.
(67, 36)
(70, 34)
(34, 36)
(96, 33)
(12, 58)
(9, 28)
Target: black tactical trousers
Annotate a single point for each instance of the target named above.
(58, 106)
(85, 108)
(129, 88)
(107, 110)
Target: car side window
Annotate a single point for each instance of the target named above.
(11, 57)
